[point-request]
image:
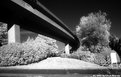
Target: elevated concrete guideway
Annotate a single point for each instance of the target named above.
(32, 15)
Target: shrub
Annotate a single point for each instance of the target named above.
(29, 52)
(102, 60)
(115, 44)
(84, 55)
(9, 54)
(97, 58)
(3, 33)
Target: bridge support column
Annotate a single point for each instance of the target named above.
(14, 34)
(67, 49)
(114, 59)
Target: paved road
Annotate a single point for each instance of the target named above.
(57, 73)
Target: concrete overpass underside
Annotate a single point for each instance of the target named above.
(33, 16)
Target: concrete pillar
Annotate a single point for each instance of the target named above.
(14, 34)
(113, 58)
(67, 49)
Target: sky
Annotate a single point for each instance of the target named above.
(70, 11)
